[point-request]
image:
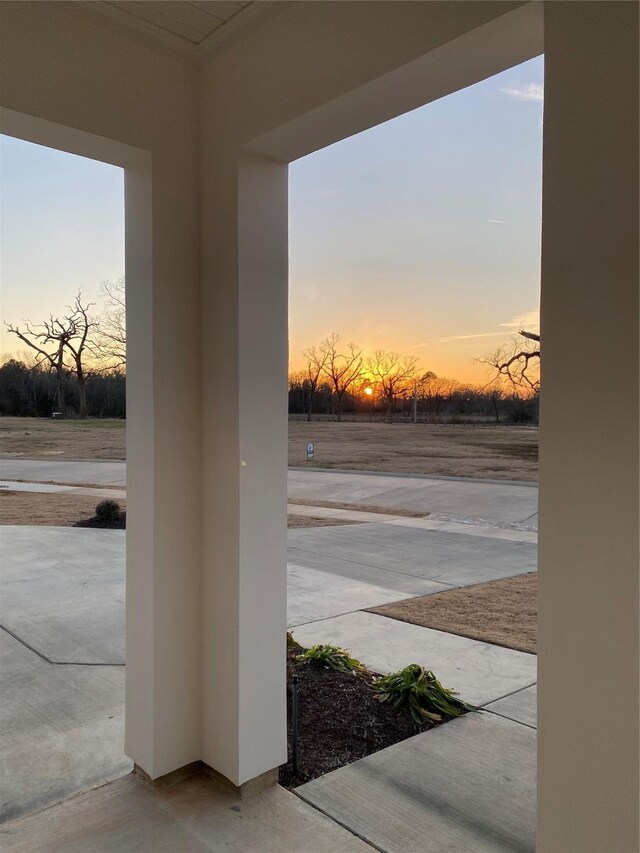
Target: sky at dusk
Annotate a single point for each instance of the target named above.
(420, 235)
(61, 230)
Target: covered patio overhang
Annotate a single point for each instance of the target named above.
(205, 138)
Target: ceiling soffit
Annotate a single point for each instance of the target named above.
(195, 27)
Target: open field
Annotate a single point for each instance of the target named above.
(45, 438)
(491, 452)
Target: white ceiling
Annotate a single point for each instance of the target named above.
(193, 25)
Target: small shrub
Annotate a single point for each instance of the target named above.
(418, 691)
(331, 657)
(108, 511)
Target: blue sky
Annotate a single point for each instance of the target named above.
(422, 234)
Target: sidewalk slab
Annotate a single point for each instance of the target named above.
(504, 502)
(50, 489)
(522, 707)
(451, 524)
(197, 815)
(94, 471)
(451, 558)
(313, 594)
(480, 672)
(467, 786)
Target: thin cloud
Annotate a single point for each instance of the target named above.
(525, 91)
(469, 337)
(529, 320)
(499, 221)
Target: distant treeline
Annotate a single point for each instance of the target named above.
(29, 390)
(340, 380)
(436, 401)
(32, 391)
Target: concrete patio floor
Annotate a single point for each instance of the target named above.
(61, 729)
(132, 816)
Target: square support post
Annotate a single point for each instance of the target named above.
(588, 789)
(245, 466)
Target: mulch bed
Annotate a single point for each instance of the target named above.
(118, 524)
(339, 721)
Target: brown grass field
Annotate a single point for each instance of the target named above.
(503, 612)
(45, 438)
(492, 452)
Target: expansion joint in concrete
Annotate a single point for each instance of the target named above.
(48, 660)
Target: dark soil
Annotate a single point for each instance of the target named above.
(117, 524)
(339, 721)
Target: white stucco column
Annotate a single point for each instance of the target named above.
(589, 561)
(163, 631)
(245, 316)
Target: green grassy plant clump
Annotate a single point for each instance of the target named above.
(331, 657)
(108, 511)
(417, 690)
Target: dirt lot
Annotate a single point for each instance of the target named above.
(503, 612)
(458, 451)
(60, 510)
(351, 507)
(499, 453)
(313, 521)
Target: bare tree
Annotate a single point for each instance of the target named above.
(420, 386)
(48, 342)
(62, 343)
(110, 339)
(393, 374)
(342, 368)
(79, 325)
(517, 363)
(316, 361)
